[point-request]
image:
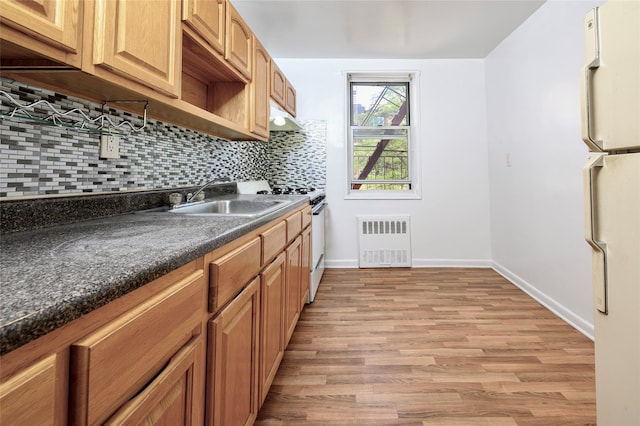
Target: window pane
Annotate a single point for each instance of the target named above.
(381, 186)
(379, 104)
(380, 132)
(376, 159)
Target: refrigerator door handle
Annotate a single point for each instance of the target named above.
(592, 52)
(599, 252)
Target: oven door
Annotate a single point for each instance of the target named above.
(317, 248)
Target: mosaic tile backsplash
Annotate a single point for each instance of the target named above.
(299, 159)
(42, 160)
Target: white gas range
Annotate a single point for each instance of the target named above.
(317, 200)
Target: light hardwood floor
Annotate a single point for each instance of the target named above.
(430, 347)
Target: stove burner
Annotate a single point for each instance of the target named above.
(287, 191)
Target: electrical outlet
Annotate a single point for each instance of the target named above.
(109, 146)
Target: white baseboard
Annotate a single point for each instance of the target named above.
(340, 264)
(451, 263)
(560, 310)
(418, 263)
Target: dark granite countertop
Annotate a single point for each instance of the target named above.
(52, 276)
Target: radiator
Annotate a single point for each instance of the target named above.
(384, 241)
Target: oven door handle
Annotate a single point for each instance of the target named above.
(318, 208)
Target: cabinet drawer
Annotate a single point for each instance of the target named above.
(29, 397)
(230, 273)
(306, 217)
(273, 241)
(294, 225)
(111, 365)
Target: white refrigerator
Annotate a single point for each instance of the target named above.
(611, 128)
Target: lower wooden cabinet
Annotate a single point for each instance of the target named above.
(305, 271)
(232, 367)
(292, 292)
(272, 281)
(30, 397)
(158, 356)
(170, 398)
(113, 364)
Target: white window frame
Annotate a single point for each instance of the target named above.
(412, 77)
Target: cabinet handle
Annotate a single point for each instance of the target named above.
(591, 234)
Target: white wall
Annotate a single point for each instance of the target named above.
(450, 224)
(522, 101)
(533, 116)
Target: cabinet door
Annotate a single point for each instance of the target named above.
(271, 322)
(207, 18)
(30, 396)
(169, 399)
(290, 99)
(278, 85)
(305, 267)
(232, 376)
(238, 50)
(54, 23)
(140, 40)
(292, 293)
(260, 91)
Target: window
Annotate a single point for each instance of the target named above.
(380, 131)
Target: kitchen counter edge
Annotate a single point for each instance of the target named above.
(35, 297)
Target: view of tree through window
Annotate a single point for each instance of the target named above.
(379, 133)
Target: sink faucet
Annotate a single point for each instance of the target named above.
(191, 197)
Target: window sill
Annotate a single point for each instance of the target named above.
(383, 195)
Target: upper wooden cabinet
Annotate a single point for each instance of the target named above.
(290, 105)
(140, 40)
(191, 62)
(278, 85)
(282, 91)
(52, 28)
(207, 18)
(260, 91)
(238, 49)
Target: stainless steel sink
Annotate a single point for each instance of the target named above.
(234, 207)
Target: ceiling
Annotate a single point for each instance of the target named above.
(383, 29)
